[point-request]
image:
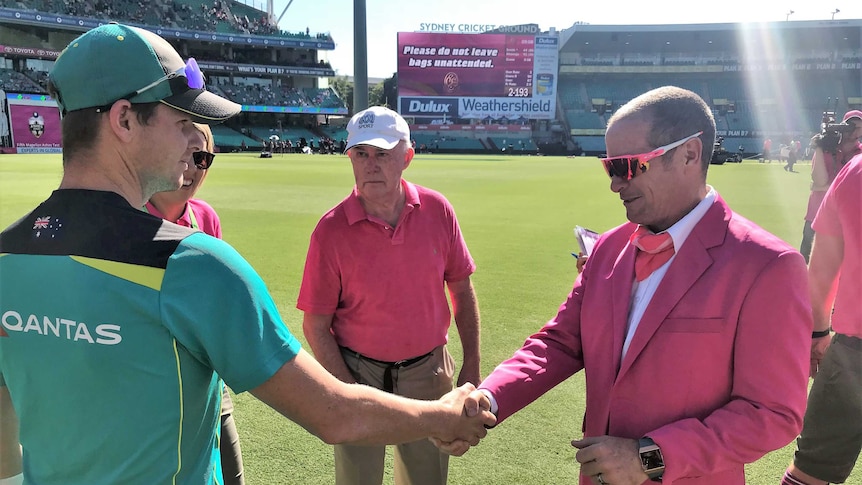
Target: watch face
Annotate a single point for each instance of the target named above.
(652, 459)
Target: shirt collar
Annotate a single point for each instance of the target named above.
(353, 207)
(680, 231)
(184, 219)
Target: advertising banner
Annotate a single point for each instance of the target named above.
(470, 76)
(35, 122)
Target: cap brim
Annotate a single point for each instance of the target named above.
(203, 106)
(379, 142)
(852, 114)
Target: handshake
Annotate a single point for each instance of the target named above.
(470, 425)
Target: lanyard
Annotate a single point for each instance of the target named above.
(192, 217)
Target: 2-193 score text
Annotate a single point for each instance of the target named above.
(518, 92)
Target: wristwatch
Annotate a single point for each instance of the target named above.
(651, 458)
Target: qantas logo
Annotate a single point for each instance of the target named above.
(61, 328)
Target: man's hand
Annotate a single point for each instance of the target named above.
(476, 405)
(606, 459)
(818, 350)
(582, 260)
(469, 373)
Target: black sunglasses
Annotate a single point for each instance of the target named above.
(203, 160)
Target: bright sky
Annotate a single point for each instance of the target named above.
(385, 18)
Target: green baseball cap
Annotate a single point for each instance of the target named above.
(115, 61)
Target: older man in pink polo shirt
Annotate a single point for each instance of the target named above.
(374, 293)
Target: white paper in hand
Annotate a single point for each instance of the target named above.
(586, 239)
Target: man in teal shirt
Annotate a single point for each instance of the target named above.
(112, 372)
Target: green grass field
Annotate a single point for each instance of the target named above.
(517, 215)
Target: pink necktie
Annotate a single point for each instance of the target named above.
(654, 251)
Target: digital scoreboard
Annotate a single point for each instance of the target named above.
(468, 76)
(518, 80)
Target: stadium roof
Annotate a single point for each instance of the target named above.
(703, 38)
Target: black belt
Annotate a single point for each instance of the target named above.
(388, 385)
(854, 343)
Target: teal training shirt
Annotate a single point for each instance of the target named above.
(115, 327)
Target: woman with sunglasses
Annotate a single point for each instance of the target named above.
(180, 206)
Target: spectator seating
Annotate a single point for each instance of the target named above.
(15, 82)
(335, 132)
(292, 133)
(324, 98)
(263, 94)
(518, 143)
(224, 16)
(228, 139)
(584, 119)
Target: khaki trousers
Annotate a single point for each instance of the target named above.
(416, 463)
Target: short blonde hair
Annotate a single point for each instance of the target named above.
(208, 135)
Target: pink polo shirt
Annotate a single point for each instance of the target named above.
(206, 217)
(385, 286)
(839, 216)
(823, 172)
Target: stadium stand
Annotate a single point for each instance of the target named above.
(15, 82)
(756, 91)
(334, 132)
(227, 139)
(325, 98)
(278, 85)
(225, 16)
(287, 133)
(264, 94)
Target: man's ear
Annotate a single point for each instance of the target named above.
(693, 150)
(408, 156)
(123, 120)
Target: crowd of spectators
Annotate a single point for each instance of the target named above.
(215, 16)
(257, 94)
(127, 10)
(325, 98)
(267, 95)
(250, 94)
(264, 57)
(15, 82)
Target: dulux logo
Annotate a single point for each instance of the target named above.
(546, 40)
(366, 121)
(431, 106)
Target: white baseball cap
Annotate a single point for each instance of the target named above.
(377, 126)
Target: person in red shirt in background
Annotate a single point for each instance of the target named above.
(831, 437)
(825, 164)
(767, 149)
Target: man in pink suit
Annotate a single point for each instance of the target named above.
(696, 369)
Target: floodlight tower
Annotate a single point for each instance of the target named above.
(360, 57)
(787, 17)
(833, 13)
(270, 11)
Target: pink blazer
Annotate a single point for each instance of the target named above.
(717, 371)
